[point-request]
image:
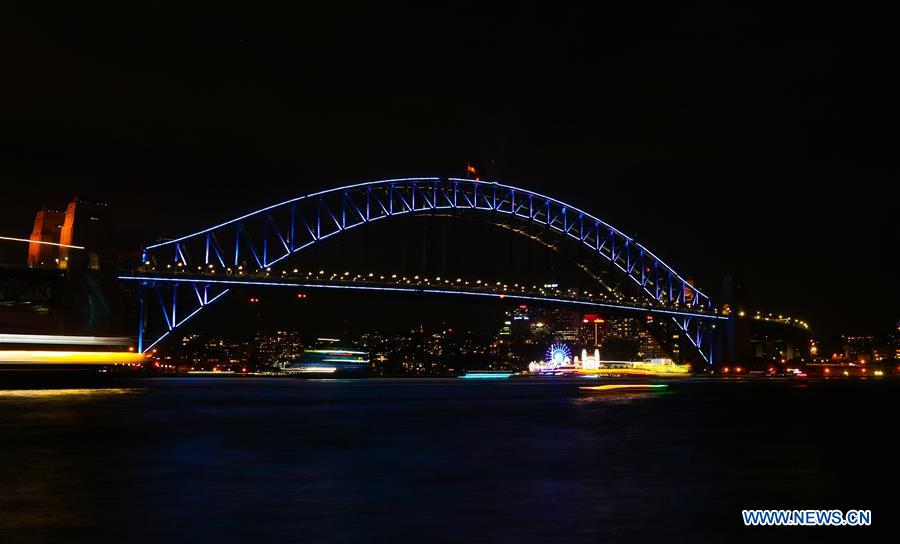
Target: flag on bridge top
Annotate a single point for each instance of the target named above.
(471, 170)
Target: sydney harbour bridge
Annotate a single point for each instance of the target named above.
(179, 278)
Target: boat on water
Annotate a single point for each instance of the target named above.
(486, 375)
(327, 359)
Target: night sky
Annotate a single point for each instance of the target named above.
(729, 140)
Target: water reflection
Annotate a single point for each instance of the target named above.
(266, 460)
(52, 393)
(618, 397)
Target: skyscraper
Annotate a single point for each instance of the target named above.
(561, 323)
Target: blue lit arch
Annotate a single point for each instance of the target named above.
(266, 237)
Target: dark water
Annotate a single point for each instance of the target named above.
(258, 460)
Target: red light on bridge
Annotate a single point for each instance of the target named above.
(301, 295)
(254, 299)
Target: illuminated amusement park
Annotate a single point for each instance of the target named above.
(560, 362)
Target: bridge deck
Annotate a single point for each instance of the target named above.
(414, 286)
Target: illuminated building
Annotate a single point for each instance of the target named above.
(623, 328)
(590, 363)
(539, 331)
(858, 348)
(277, 348)
(47, 230)
(517, 325)
(866, 349)
(590, 330)
(57, 243)
(649, 347)
(561, 324)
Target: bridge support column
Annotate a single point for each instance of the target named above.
(140, 335)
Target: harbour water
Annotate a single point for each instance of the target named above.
(439, 460)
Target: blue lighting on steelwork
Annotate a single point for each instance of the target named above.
(291, 201)
(321, 215)
(183, 321)
(432, 205)
(424, 290)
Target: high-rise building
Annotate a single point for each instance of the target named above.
(561, 324)
(649, 347)
(518, 323)
(622, 328)
(591, 331)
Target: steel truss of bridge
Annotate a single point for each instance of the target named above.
(259, 240)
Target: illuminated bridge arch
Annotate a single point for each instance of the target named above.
(264, 238)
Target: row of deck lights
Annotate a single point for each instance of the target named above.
(504, 287)
(780, 318)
